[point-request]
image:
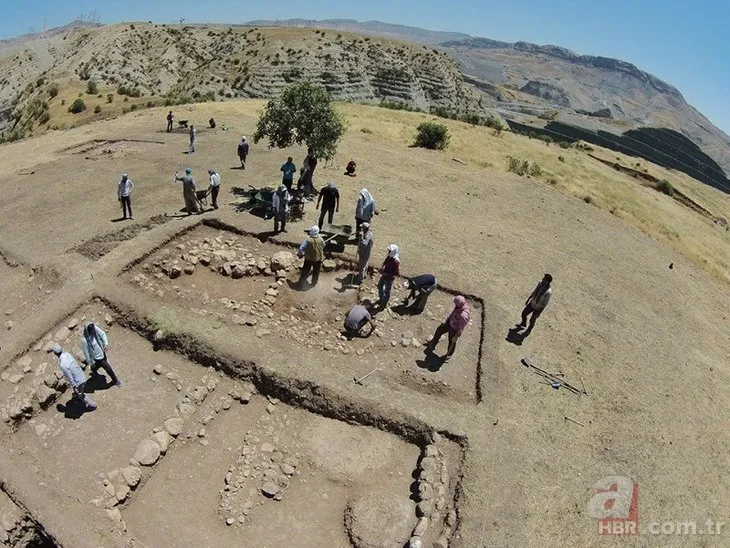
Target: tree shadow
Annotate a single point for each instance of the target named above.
(72, 409)
(431, 362)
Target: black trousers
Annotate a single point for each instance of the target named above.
(314, 267)
(441, 330)
(529, 309)
(214, 195)
(126, 206)
(330, 216)
(169, 126)
(104, 364)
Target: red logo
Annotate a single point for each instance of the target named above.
(616, 506)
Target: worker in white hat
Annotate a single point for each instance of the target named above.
(312, 249)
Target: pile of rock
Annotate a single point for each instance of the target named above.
(262, 471)
(432, 492)
(16, 526)
(119, 483)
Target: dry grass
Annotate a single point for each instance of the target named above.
(659, 216)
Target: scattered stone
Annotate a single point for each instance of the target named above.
(132, 475)
(416, 343)
(147, 452)
(441, 542)
(175, 272)
(122, 493)
(186, 409)
(24, 362)
(162, 439)
(415, 542)
(238, 272)
(405, 343)
(73, 323)
(108, 319)
(431, 451)
(189, 269)
(270, 408)
(281, 260)
(114, 514)
(227, 402)
(201, 432)
(328, 265)
(9, 325)
(451, 518)
(199, 393)
(15, 378)
(424, 508)
(15, 412)
(270, 489)
(263, 332)
(40, 429)
(267, 448)
(204, 443)
(230, 521)
(287, 469)
(158, 369)
(245, 397)
(421, 527)
(45, 395)
(62, 334)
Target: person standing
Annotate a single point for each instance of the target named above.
(305, 180)
(124, 193)
(280, 204)
(364, 210)
(288, 170)
(215, 186)
(95, 346)
(170, 118)
(312, 249)
(536, 303)
(243, 151)
(74, 375)
(191, 200)
(193, 134)
(364, 252)
(421, 288)
(454, 325)
(329, 196)
(388, 273)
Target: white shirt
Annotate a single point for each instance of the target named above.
(215, 179)
(125, 188)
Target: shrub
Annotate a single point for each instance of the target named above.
(366, 130)
(432, 135)
(53, 90)
(77, 106)
(535, 170)
(109, 97)
(518, 165)
(97, 109)
(44, 118)
(588, 199)
(133, 107)
(63, 101)
(665, 187)
(552, 181)
(561, 159)
(91, 87)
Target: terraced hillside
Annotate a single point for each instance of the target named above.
(166, 63)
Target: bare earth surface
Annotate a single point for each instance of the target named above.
(649, 343)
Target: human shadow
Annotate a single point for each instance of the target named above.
(431, 362)
(118, 219)
(299, 285)
(265, 235)
(349, 281)
(404, 309)
(72, 409)
(516, 336)
(240, 168)
(96, 381)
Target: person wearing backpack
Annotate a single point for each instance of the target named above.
(95, 345)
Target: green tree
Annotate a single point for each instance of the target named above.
(91, 87)
(303, 114)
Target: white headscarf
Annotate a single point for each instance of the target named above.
(393, 252)
(366, 197)
(314, 231)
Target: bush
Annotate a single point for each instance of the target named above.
(77, 106)
(588, 199)
(432, 135)
(97, 109)
(665, 187)
(91, 87)
(44, 118)
(53, 90)
(109, 97)
(535, 170)
(133, 107)
(366, 130)
(518, 165)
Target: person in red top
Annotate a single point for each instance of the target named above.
(388, 273)
(453, 325)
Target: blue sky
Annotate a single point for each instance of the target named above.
(685, 43)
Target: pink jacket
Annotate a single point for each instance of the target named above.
(459, 319)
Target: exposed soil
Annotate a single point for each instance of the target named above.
(311, 319)
(98, 246)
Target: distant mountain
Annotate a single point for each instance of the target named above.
(376, 28)
(598, 93)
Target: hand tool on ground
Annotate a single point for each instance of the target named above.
(359, 381)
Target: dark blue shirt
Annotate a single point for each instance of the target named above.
(423, 281)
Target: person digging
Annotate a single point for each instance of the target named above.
(454, 325)
(421, 288)
(357, 318)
